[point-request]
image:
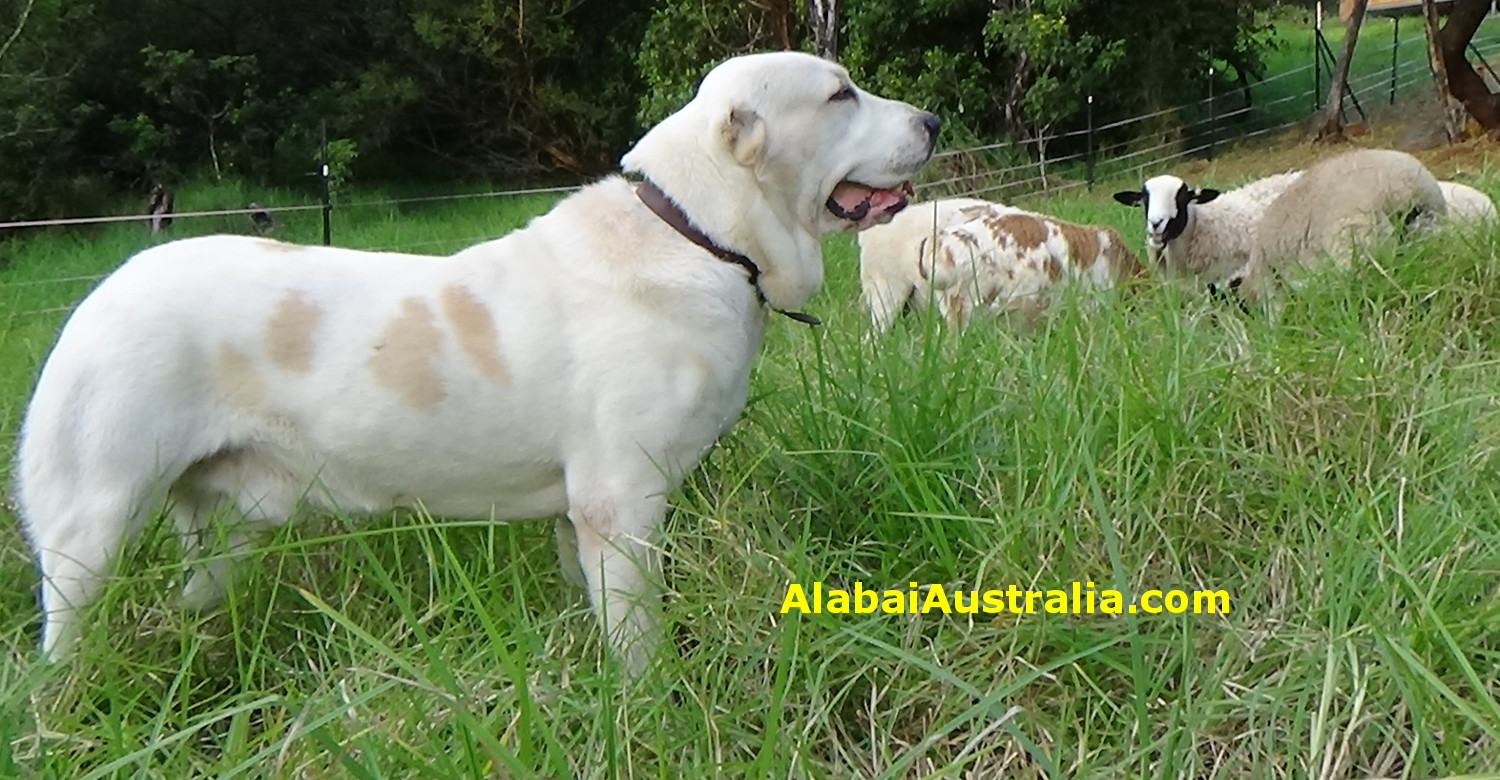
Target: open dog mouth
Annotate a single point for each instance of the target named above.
(865, 205)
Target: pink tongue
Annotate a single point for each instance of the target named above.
(880, 200)
(850, 196)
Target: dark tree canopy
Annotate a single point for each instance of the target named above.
(97, 95)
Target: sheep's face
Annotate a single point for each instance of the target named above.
(1168, 204)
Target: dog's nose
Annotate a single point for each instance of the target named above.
(933, 125)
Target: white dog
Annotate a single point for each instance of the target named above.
(578, 366)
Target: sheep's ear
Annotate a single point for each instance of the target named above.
(744, 132)
(1205, 195)
(1131, 197)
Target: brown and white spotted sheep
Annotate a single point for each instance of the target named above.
(1003, 260)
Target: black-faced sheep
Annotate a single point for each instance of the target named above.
(1200, 235)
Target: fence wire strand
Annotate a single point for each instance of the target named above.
(1378, 82)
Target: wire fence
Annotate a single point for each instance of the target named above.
(1016, 168)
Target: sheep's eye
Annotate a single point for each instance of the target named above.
(847, 93)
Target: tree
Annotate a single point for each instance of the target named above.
(1458, 75)
(823, 21)
(1331, 124)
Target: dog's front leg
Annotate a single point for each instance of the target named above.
(617, 550)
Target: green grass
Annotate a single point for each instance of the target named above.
(1335, 472)
(1369, 72)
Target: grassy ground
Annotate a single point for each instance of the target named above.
(1335, 474)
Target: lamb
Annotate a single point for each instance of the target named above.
(1335, 209)
(1466, 204)
(889, 254)
(1009, 261)
(1201, 235)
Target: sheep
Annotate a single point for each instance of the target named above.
(1008, 261)
(1201, 235)
(1336, 208)
(1466, 204)
(888, 257)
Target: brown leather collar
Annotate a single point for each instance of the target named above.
(672, 214)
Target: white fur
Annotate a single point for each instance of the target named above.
(1337, 209)
(1466, 204)
(1007, 261)
(889, 255)
(580, 365)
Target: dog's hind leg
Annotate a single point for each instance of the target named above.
(75, 548)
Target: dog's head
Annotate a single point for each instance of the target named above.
(778, 148)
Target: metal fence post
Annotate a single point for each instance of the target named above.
(1211, 116)
(327, 210)
(1395, 41)
(327, 196)
(1089, 161)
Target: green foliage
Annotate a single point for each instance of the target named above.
(1062, 65)
(157, 90)
(685, 38)
(339, 157)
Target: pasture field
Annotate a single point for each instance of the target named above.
(1336, 473)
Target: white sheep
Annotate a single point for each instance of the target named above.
(889, 254)
(1336, 209)
(1466, 204)
(1202, 235)
(1007, 261)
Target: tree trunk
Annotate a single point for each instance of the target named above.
(1331, 126)
(1453, 116)
(1463, 83)
(823, 20)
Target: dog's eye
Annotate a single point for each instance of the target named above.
(847, 93)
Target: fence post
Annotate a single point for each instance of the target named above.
(1211, 116)
(327, 209)
(1317, 58)
(327, 197)
(1089, 161)
(1395, 41)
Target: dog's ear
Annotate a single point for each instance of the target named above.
(1130, 197)
(744, 133)
(1205, 195)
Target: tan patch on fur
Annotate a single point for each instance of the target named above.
(474, 327)
(237, 380)
(1083, 243)
(280, 246)
(1054, 268)
(1027, 231)
(289, 332)
(404, 357)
